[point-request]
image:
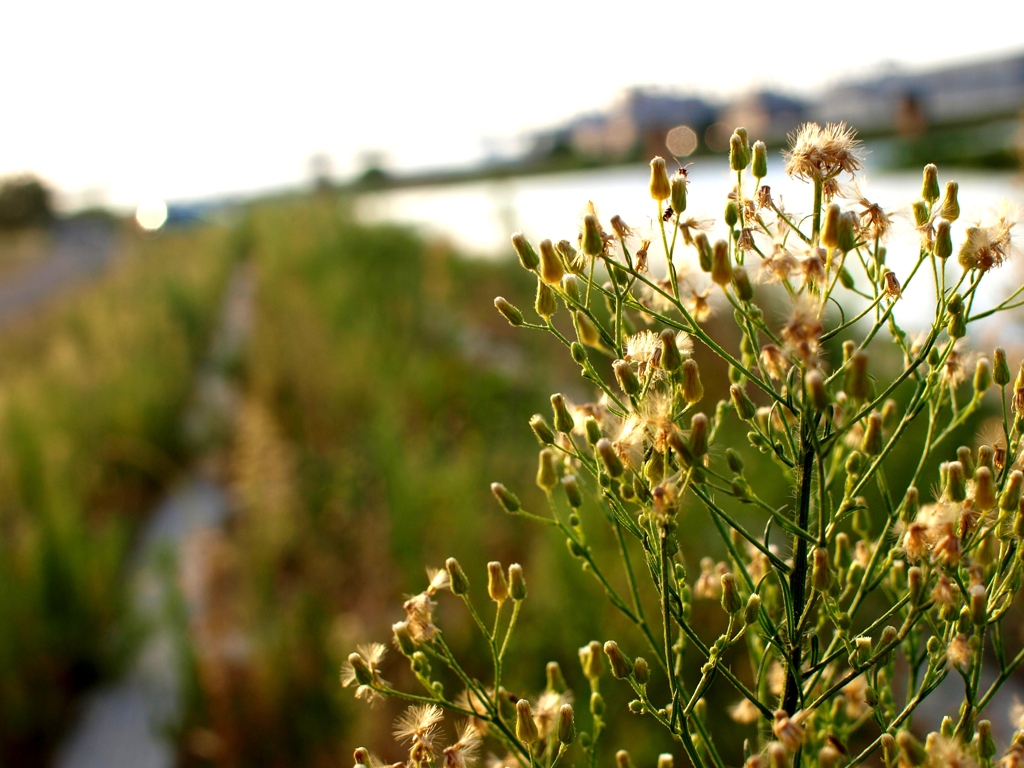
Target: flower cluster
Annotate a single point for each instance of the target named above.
(830, 572)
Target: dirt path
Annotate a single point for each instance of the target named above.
(120, 724)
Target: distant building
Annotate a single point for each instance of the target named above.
(636, 124)
(766, 115)
(910, 103)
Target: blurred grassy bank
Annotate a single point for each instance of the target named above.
(91, 388)
(383, 394)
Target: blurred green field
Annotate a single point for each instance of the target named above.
(91, 389)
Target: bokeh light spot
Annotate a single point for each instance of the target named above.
(681, 140)
(151, 214)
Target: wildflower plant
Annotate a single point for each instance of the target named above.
(830, 590)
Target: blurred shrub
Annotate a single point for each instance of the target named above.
(25, 201)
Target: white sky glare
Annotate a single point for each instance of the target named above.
(127, 100)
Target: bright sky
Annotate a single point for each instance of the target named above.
(124, 100)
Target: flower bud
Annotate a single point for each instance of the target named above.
(571, 286)
(731, 602)
(814, 386)
(556, 681)
(622, 759)
(821, 573)
(862, 650)
(732, 214)
(872, 442)
(986, 456)
(1009, 499)
(593, 430)
(660, 187)
(563, 419)
(626, 377)
(572, 491)
(546, 303)
(982, 376)
(609, 458)
(1000, 368)
(641, 671)
(689, 382)
(593, 239)
(579, 354)
(828, 757)
(678, 196)
(703, 245)
(526, 728)
(888, 637)
(665, 760)
(911, 751)
(920, 209)
(943, 240)
(911, 505)
(950, 209)
(566, 725)
(497, 587)
(721, 266)
(551, 269)
(986, 744)
(363, 674)
(760, 165)
(888, 749)
(596, 704)
(403, 638)
(830, 226)
(733, 460)
(956, 481)
(978, 604)
(516, 582)
(527, 256)
(621, 668)
(457, 577)
(739, 153)
(957, 326)
(590, 660)
(847, 232)
(751, 609)
(890, 412)
(856, 382)
(508, 311)
(541, 429)
(915, 583)
(506, 498)
(984, 489)
(930, 185)
(777, 757)
(587, 331)
(698, 443)
(745, 407)
(670, 357)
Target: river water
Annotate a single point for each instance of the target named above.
(478, 217)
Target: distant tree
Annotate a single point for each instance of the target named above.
(25, 201)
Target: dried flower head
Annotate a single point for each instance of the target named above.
(788, 730)
(464, 752)
(822, 153)
(419, 726)
(744, 712)
(370, 657)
